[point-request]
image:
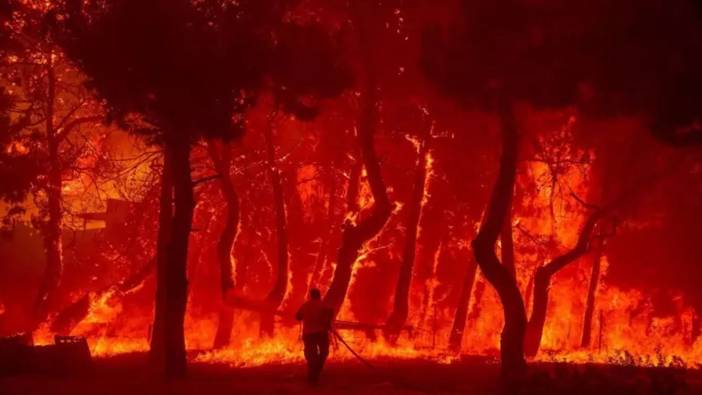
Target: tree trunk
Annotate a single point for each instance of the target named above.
(277, 293)
(352, 208)
(162, 245)
(175, 222)
(535, 327)
(512, 339)
(459, 320)
(542, 282)
(400, 311)
(321, 259)
(300, 243)
(591, 296)
(474, 313)
(354, 236)
(429, 282)
(222, 160)
(52, 231)
(529, 291)
(507, 243)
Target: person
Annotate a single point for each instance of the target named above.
(316, 320)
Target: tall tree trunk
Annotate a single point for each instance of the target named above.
(352, 208)
(529, 291)
(221, 158)
(400, 311)
(430, 282)
(474, 313)
(507, 242)
(52, 231)
(175, 222)
(354, 236)
(512, 339)
(321, 259)
(459, 320)
(277, 293)
(591, 296)
(542, 282)
(163, 241)
(299, 241)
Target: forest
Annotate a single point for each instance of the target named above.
(493, 196)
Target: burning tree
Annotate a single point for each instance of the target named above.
(191, 75)
(307, 67)
(503, 53)
(47, 141)
(186, 70)
(357, 231)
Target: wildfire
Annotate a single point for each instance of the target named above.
(625, 329)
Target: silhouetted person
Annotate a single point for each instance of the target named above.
(316, 320)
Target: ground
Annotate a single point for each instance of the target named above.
(127, 375)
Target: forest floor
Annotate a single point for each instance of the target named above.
(127, 375)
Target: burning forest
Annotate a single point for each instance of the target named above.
(491, 196)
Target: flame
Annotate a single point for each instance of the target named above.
(625, 327)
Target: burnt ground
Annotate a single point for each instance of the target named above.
(128, 375)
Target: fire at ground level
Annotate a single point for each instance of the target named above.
(127, 373)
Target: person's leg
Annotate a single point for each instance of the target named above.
(311, 355)
(323, 350)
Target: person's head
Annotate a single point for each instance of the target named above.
(315, 294)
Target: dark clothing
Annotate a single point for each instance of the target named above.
(316, 352)
(316, 320)
(316, 317)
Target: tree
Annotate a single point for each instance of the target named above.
(459, 320)
(307, 67)
(185, 71)
(277, 292)
(465, 78)
(398, 316)
(46, 140)
(355, 235)
(542, 282)
(221, 157)
(498, 54)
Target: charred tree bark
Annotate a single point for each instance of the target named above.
(321, 259)
(168, 337)
(512, 339)
(507, 242)
(299, 241)
(354, 236)
(277, 293)
(591, 295)
(459, 320)
(52, 229)
(222, 160)
(157, 341)
(477, 305)
(529, 290)
(542, 282)
(352, 208)
(400, 311)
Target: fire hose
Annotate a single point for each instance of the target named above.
(351, 350)
(391, 378)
